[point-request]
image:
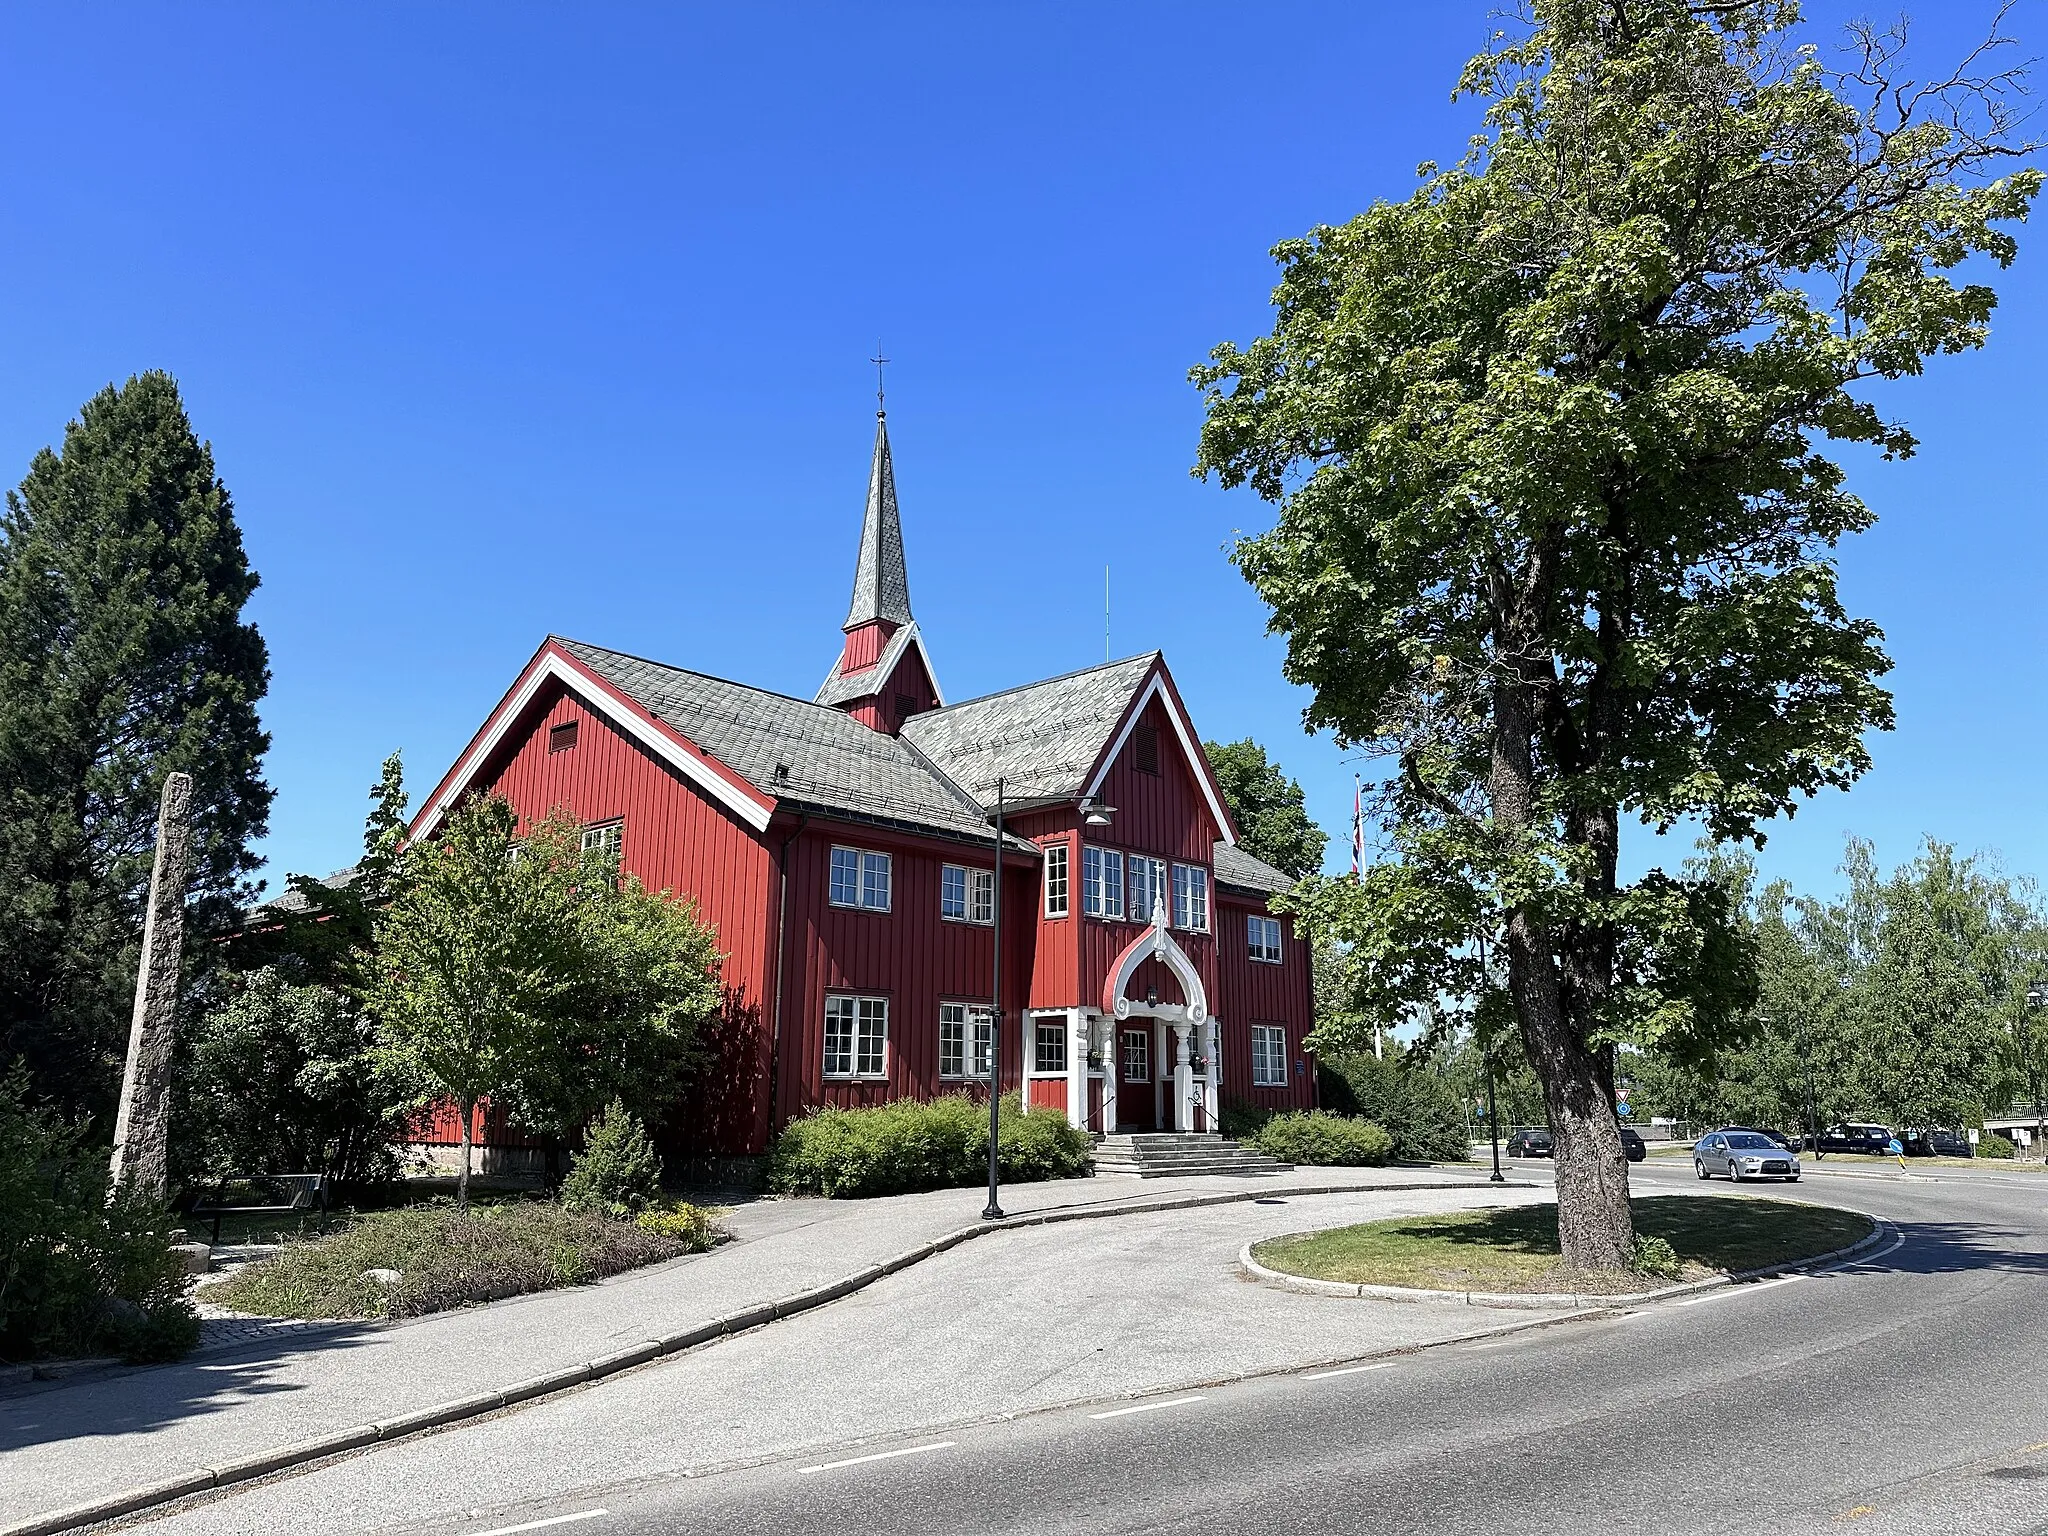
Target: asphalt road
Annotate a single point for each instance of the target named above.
(1905, 1392)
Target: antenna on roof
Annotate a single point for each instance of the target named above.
(1105, 613)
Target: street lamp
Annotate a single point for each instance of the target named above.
(993, 1211)
(1094, 813)
(2037, 995)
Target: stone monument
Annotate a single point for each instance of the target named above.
(142, 1126)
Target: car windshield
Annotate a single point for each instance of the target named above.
(1748, 1143)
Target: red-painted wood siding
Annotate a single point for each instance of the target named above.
(909, 954)
(909, 683)
(1164, 813)
(1056, 977)
(1252, 992)
(675, 839)
(864, 645)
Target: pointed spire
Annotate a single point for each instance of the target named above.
(881, 584)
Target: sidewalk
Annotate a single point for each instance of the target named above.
(227, 1411)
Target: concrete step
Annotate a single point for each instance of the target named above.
(1171, 1154)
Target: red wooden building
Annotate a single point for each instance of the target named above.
(844, 849)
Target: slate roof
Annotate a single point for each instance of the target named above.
(881, 584)
(831, 761)
(293, 901)
(1235, 867)
(1040, 739)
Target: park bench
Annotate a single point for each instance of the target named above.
(288, 1194)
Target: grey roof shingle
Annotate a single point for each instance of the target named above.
(1235, 867)
(1040, 739)
(832, 761)
(881, 584)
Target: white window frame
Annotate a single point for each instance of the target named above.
(1258, 928)
(1191, 898)
(1053, 1033)
(977, 894)
(872, 872)
(1102, 868)
(1142, 1039)
(863, 1024)
(1269, 1056)
(1057, 895)
(1153, 885)
(960, 1020)
(610, 836)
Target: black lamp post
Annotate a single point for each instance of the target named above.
(1492, 1115)
(993, 1211)
(2036, 996)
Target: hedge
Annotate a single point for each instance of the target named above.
(911, 1145)
(1991, 1144)
(1318, 1138)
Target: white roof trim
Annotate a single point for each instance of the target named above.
(554, 667)
(885, 664)
(1188, 745)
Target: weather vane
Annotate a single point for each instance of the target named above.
(880, 362)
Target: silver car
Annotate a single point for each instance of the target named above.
(1743, 1155)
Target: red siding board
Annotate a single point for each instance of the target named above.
(1253, 992)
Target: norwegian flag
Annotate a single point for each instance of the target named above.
(1357, 828)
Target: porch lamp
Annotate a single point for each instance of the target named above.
(993, 1211)
(1094, 813)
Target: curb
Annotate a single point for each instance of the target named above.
(1539, 1300)
(435, 1416)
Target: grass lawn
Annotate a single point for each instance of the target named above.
(445, 1258)
(1515, 1248)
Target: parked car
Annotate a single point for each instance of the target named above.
(1937, 1141)
(1743, 1155)
(1756, 1130)
(1853, 1136)
(1531, 1144)
(1632, 1144)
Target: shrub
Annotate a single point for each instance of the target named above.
(1419, 1106)
(444, 1258)
(1655, 1257)
(79, 1274)
(617, 1172)
(1991, 1144)
(1241, 1121)
(911, 1145)
(688, 1224)
(1319, 1138)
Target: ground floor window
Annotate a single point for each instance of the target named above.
(1051, 1054)
(956, 1022)
(1269, 1056)
(856, 1036)
(1137, 1056)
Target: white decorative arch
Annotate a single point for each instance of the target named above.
(1156, 941)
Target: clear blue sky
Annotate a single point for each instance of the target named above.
(510, 319)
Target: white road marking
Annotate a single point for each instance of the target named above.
(1348, 1370)
(854, 1461)
(1172, 1402)
(1739, 1290)
(535, 1525)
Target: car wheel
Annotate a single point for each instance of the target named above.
(1734, 1173)
(1699, 1168)
(1791, 1178)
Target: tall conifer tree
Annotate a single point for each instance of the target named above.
(123, 657)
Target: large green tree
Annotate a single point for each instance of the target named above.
(1270, 811)
(1555, 535)
(124, 656)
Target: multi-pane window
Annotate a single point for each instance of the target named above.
(1051, 1054)
(1102, 882)
(1191, 897)
(1269, 1056)
(967, 895)
(1055, 879)
(1137, 1056)
(608, 838)
(1263, 935)
(1147, 879)
(860, 879)
(856, 1036)
(962, 1028)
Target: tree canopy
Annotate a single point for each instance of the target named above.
(1270, 811)
(1555, 533)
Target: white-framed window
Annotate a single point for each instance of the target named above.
(856, 1036)
(964, 1027)
(1055, 879)
(1102, 882)
(1137, 1056)
(967, 895)
(861, 879)
(1147, 885)
(1191, 897)
(606, 837)
(1262, 934)
(1050, 1053)
(1269, 1056)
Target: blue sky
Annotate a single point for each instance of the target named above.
(505, 320)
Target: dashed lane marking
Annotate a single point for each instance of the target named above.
(1348, 1370)
(854, 1461)
(1171, 1402)
(535, 1525)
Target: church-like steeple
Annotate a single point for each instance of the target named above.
(881, 584)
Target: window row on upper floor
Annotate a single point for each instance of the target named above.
(864, 879)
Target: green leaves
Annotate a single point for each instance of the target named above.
(1272, 819)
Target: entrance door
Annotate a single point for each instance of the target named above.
(1136, 1099)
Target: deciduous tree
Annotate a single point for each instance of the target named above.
(1270, 811)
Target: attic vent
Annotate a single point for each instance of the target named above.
(1145, 748)
(562, 737)
(782, 773)
(906, 706)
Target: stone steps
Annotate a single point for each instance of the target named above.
(1170, 1154)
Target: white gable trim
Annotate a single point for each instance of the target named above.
(886, 663)
(1157, 940)
(1190, 747)
(556, 668)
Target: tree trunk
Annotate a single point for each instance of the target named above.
(468, 1108)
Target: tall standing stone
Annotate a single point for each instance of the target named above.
(142, 1127)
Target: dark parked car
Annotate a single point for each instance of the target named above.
(1937, 1141)
(1854, 1136)
(1531, 1144)
(1632, 1144)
